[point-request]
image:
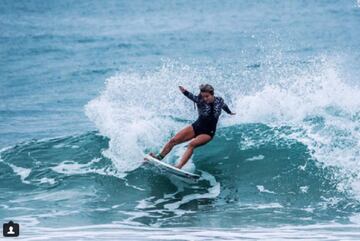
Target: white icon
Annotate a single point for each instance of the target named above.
(10, 230)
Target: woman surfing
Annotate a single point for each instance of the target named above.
(203, 129)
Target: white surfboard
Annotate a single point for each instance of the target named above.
(171, 169)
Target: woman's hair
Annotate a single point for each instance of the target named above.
(207, 88)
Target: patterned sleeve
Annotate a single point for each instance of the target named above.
(225, 107)
(191, 96)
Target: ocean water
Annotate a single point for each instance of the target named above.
(88, 87)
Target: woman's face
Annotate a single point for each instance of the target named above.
(207, 97)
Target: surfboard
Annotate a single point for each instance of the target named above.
(170, 169)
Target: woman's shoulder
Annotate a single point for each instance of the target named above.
(219, 98)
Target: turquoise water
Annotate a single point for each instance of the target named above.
(88, 87)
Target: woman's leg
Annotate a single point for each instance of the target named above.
(185, 134)
(198, 141)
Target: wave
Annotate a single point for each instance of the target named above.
(311, 100)
(258, 171)
(290, 154)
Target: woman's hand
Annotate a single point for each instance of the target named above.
(182, 89)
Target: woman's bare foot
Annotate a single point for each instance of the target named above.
(150, 154)
(155, 156)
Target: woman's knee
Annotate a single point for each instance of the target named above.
(192, 145)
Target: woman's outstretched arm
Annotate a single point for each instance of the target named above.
(226, 108)
(188, 94)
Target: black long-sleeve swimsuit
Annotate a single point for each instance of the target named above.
(208, 114)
